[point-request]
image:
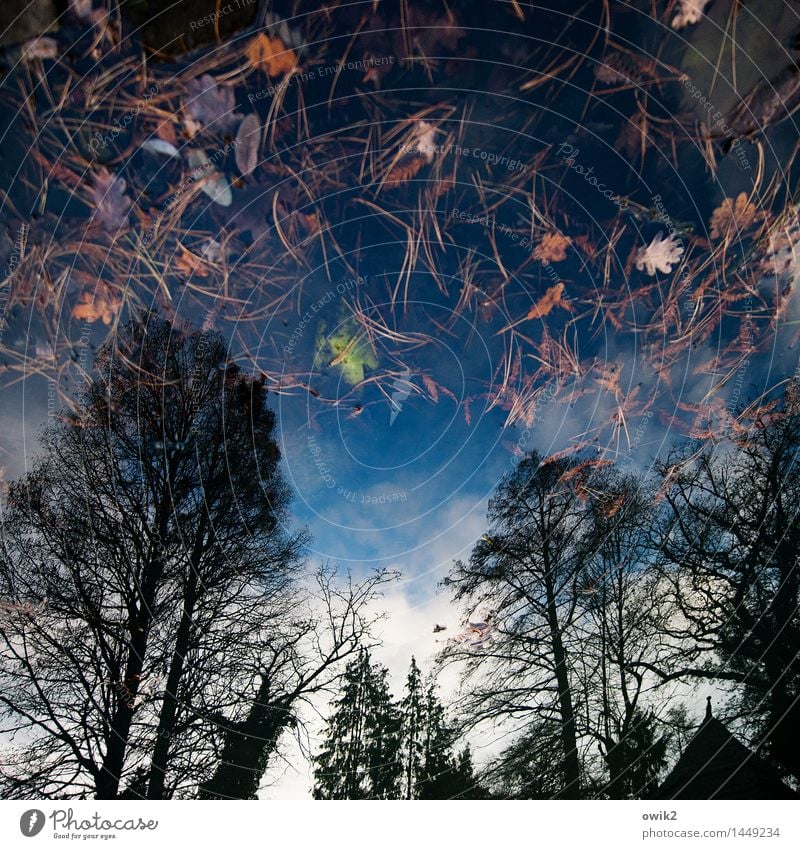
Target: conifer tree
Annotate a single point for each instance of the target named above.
(431, 767)
(444, 775)
(414, 722)
(360, 758)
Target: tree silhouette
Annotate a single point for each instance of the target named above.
(295, 663)
(625, 616)
(527, 768)
(154, 527)
(731, 536)
(527, 568)
(443, 774)
(413, 722)
(361, 755)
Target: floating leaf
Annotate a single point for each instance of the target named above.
(160, 146)
(102, 304)
(405, 170)
(211, 104)
(425, 140)
(548, 302)
(109, 200)
(348, 350)
(82, 9)
(190, 264)
(214, 184)
(660, 255)
(690, 12)
(191, 127)
(552, 248)
(43, 47)
(271, 55)
(310, 222)
(248, 140)
(732, 217)
(166, 131)
(214, 252)
(431, 386)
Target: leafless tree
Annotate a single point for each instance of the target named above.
(154, 532)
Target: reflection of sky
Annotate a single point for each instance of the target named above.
(411, 493)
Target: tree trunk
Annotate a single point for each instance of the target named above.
(568, 739)
(169, 706)
(107, 782)
(247, 748)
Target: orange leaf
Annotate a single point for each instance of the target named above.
(190, 264)
(310, 222)
(732, 216)
(271, 55)
(552, 248)
(166, 131)
(92, 307)
(550, 299)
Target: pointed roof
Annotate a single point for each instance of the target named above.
(716, 765)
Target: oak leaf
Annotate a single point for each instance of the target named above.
(190, 264)
(210, 104)
(733, 216)
(660, 255)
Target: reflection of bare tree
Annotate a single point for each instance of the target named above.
(624, 622)
(567, 566)
(731, 540)
(155, 527)
(526, 568)
(287, 671)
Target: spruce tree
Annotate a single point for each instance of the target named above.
(360, 756)
(431, 768)
(414, 722)
(444, 775)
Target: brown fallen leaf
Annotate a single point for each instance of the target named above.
(634, 138)
(309, 222)
(405, 170)
(552, 248)
(733, 216)
(190, 264)
(102, 304)
(42, 47)
(271, 55)
(548, 302)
